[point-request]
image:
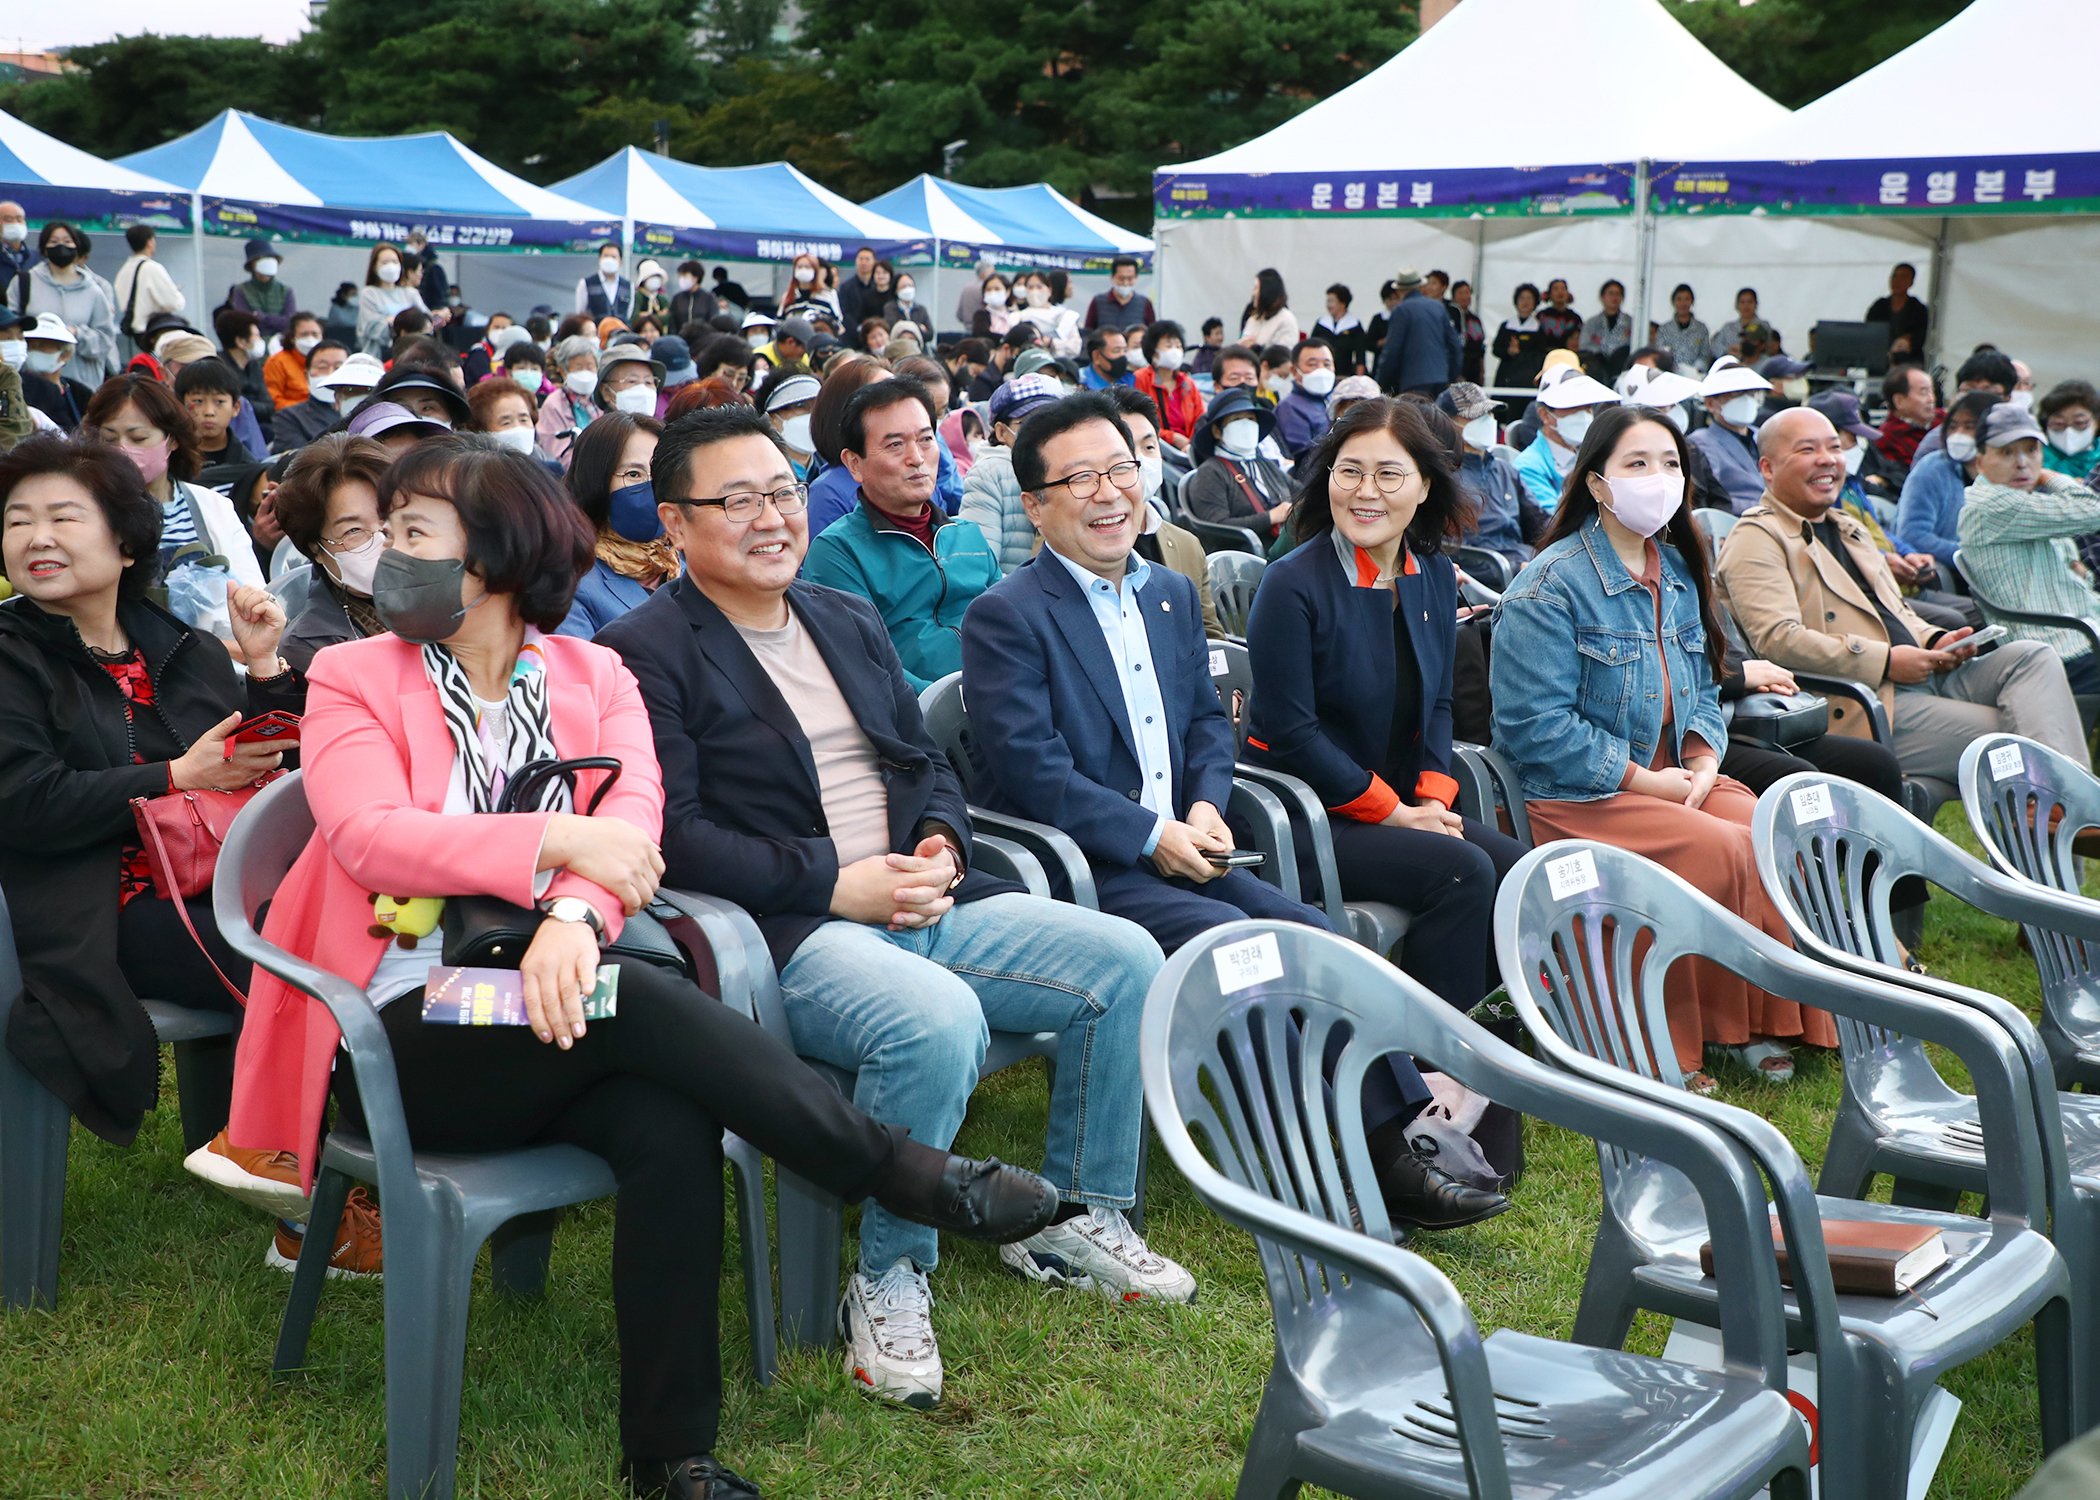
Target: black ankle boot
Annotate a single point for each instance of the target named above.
(700, 1478)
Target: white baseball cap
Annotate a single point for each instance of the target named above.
(1730, 376)
(1574, 390)
(51, 328)
(1644, 385)
(360, 372)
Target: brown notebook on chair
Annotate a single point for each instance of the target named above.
(1868, 1258)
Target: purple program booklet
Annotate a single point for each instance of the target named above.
(496, 997)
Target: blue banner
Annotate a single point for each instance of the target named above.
(110, 210)
(299, 224)
(963, 255)
(1490, 191)
(740, 244)
(2068, 183)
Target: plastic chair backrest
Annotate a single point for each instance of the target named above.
(284, 557)
(2026, 804)
(1236, 1034)
(1713, 524)
(1491, 570)
(1829, 852)
(1234, 576)
(291, 587)
(1508, 453)
(948, 726)
(1586, 933)
(1232, 674)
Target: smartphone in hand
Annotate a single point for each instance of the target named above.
(1237, 859)
(274, 725)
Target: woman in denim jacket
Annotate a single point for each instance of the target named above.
(1607, 655)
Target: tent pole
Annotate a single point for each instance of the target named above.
(197, 251)
(934, 312)
(1643, 237)
(1480, 261)
(1942, 258)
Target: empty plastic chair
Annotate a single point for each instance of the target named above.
(1381, 1384)
(1234, 576)
(439, 1208)
(1586, 933)
(2026, 803)
(36, 1128)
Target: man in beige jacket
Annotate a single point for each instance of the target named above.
(1813, 594)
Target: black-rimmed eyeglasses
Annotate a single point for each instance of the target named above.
(749, 505)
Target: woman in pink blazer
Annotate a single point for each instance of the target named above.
(407, 741)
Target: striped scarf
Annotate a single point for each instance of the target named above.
(486, 765)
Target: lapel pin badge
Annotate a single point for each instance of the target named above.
(1166, 606)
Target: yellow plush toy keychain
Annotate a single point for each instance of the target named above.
(405, 919)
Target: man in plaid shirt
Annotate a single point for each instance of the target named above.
(2016, 529)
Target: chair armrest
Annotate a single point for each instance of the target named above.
(743, 962)
(1224, 533)
(1269, 829)
(2060, 622)
(1009, 861)
(1944, 579)
(1054, 848)
(1497, 779)
(1868, 700)
(1295, 796)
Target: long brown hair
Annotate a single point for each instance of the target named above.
(1577, 505)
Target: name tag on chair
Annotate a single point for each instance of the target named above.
(1571, 876)
(1217, 662)
(1811, 803)
(1241, 965)
(2006, 761)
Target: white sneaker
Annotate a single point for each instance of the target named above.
(1099, 1251)
(888, 1326)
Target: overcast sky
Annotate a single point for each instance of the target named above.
(38, 27)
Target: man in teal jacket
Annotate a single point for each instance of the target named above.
(896, 547)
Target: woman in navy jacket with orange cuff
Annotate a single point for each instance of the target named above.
(1351, 640)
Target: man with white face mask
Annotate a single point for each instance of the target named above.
(1733, 394)
(608, 294)
(1234, 485)
(262, 294)
(1929, 510)
(1506, 519)
(1568, 401)
(17, 255)
(788, 406)
(1301, 416)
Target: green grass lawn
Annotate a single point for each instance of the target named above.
(151, 1379)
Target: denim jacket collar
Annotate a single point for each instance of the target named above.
(1611, 572)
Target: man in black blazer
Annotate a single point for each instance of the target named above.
(799, 782)
(1087, 677)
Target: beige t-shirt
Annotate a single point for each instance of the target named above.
(849, 778)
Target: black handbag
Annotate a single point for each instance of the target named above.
(1779, 722)
(487, 932)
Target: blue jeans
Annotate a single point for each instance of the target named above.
(911, 1014)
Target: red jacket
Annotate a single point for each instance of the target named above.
(1181, 409)
(378, 761)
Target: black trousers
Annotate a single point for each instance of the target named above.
(1447, 884)
(651, 1091)
(161, 961)
(1842, 755)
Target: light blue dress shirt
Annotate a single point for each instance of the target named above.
(1123, 627)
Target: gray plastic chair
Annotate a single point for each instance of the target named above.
(36, 1128)
(1829, 869)
(1713, 524)
(1488, 568)
(2021, 843)
(1220, 536)
(439, 1208)
(1381, 1384)
(1586, 933)
(1996, 613)
(1234, 576)
(283, 556)
(291, 587)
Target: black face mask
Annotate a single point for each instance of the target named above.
(62, 255)
(1118, 367)
(421, 599)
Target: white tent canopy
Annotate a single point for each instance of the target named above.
(1410, 152)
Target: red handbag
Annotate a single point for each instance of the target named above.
(182, 833)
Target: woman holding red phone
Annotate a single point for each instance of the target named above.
(105, 696)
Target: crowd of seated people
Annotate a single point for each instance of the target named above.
(582, 543)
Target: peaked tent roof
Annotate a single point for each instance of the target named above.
(2043, 156)
(55, 181)
(1411, 137)
(257, 176)
(766, 212)
(1034, 225)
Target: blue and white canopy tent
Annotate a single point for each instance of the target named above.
(248, 177)
(765, 213)
(1034, 226)
(52, 180)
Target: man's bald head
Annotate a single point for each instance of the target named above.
(1802, 461)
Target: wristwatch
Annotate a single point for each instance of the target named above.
(575, 909)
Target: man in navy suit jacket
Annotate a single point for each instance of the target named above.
(1087, 678)
(800, 783)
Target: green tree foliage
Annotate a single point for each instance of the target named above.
(142, 90)
(1098, 92)
(1799, 50)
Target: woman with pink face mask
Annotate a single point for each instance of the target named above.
(142, 418)
(1607, 661)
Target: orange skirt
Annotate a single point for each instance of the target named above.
(1709, 846)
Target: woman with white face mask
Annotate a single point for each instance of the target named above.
(328, 504)
(1625, 749)
(1057, 324)
(507, 410)
(1164, 377)
(2070, 416)
(385, 294)
(904, 303)
(1233, 484)
(573, 405)
(691, 301)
